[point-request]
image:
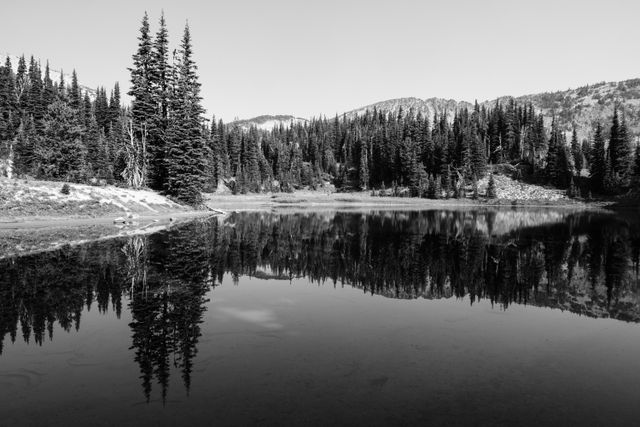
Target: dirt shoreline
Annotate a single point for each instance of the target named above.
(43, 221)
(22, 235)
(309, 200)
(28, 235)
(303, 200)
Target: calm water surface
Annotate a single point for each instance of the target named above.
(388, 318)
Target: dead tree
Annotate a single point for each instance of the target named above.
(135, 173)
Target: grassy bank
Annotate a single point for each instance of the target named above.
(38, 215)
(49, 199)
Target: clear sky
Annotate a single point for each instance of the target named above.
(324, 57)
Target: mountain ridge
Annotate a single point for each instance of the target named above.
(581, 107)
(268, 122)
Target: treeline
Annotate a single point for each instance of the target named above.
(384, 150)
(54, 131)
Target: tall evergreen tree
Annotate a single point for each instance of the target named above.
(619, 150)
(363, 169)
(625, 152)
(9, 115)
(62, 152)
(598, 159)
(75, 97)
(576, 151)
(187, 151)
(142, 105)
(160, 74)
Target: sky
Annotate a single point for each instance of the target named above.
(311, 58)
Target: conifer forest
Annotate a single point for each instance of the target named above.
(56, 130)
(331, 213)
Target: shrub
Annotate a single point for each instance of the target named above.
(475, 189)
(65, 189)
(572, 191)
(491, 188)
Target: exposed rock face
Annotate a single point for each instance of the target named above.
(427, 107)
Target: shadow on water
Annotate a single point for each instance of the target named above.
(584, 263)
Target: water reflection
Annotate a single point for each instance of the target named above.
(582, 263)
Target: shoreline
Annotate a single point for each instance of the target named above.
(43, 221)
(24, 235)
(306, 200)
(32, 236)
(302, 200)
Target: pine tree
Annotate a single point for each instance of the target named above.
(446, 181)
(475, 188)
(215, 161)
(61, 92)
(97, 152)
(87, 108)
(437, 190)
(9, 116)
(598, 160)
(363, 169)
(75, 98)
(491, 188)
(26, 143)
(36, 107)
(22, 84)
(142, 105)
(187, 151)
(62, 153)
(572, 191)
(251, 161)
(160, 74)
(234, 144)
(576, 151)
(477, 150)
(101, 109)
(615, 143)
(553, 153)
(625, 152)
(114, 104)
(432, 191)
(636, 166)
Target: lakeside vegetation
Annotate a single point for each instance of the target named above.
(55, 131)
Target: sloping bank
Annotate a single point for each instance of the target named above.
(39, 215)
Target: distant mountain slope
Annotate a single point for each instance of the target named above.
(268, 122)
(586, 105)
(428, 107)
(582, 107)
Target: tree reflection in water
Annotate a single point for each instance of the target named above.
(583, 263)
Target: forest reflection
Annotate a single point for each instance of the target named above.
(586, 263)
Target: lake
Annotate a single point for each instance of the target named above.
(440, 317)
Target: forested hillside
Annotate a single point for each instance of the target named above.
(585, 106)
(582, 140)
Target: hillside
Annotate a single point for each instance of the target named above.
(22, 198)
(588, 104)
(428, 107)
(582, 106)
(267, 122)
